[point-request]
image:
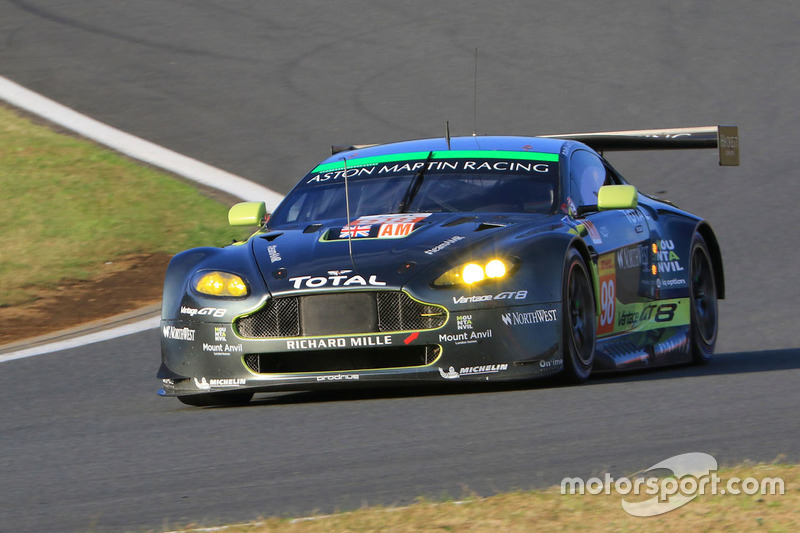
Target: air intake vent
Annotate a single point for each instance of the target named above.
(341, 314)
(349, 359)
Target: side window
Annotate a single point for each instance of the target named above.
(586, 175)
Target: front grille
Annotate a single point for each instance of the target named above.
(348, 359)
(340, 314)
(279, 318)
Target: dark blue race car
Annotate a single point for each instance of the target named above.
(449, 260)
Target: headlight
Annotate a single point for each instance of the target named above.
(220, 284)
(476, 271)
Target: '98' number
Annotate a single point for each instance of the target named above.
(608, 296)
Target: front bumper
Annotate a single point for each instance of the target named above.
(201, 355)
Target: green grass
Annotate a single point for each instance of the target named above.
(70, 205)
(549, 510)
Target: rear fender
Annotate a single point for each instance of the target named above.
(704, 229)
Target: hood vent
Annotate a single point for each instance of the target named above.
(489, 225)
(456, 222)
(271, 236)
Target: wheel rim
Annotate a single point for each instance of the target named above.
(581, 320)
(704, 296)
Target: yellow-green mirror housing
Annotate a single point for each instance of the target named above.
(247, 214)
(617, 197)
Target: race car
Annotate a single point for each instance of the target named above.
(433, 261)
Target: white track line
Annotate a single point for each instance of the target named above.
(19, 96)
(100, 336)
(132, 146)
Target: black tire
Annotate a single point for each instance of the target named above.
(579, 319)
(703, 302)
(219, 398)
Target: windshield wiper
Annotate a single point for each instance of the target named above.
(414, 186)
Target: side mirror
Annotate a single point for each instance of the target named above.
(617, 197)
(247, 214)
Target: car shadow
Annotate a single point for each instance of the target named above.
(721, 364)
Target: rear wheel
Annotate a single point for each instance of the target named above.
(579, 331)
(219, 398)
(703, 298)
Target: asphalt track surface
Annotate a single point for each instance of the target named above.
(262, 90)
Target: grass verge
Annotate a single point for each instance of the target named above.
(70, 206)
(549, 510)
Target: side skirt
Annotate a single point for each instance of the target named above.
(647, 349)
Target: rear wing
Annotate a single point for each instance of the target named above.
(724, 138)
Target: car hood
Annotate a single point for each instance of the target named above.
(315, 257)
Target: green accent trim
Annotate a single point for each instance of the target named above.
(422, 156)
(680, 316)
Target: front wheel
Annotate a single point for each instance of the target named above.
(703, 298)
(579, 320)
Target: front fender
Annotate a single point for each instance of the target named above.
(235, 259)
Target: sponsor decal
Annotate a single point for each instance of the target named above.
(439, 247)
(634, 216)
(178, 334)
(471, 337)
(354, 231)
(464, 321)
(569, 207)
(551, 363)
(349, 173)
(533, 317)
(274, 256)
(632, 257)
(205, 311)
(229, 382)
(339, 377)
(415, 166)
(220, 334)
(509, 295)
(670, 283)
(451, 373)
(507, 166)
(411, 338)
(204, 384)
(666, 258)
(391, 226)
(335, 278)
(223, 348)
(650, 313)
(339, 342)
(592, 231)
(395, 231)
(393, 218)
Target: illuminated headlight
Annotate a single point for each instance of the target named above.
(475, 272)
(220, 284)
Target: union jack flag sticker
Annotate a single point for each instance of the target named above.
(354, 231)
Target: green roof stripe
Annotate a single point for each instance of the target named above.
(449, 154)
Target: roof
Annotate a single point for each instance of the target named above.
(471, 143)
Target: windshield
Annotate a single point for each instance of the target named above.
(429, 184)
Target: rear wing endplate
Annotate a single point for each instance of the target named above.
(724, 138)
